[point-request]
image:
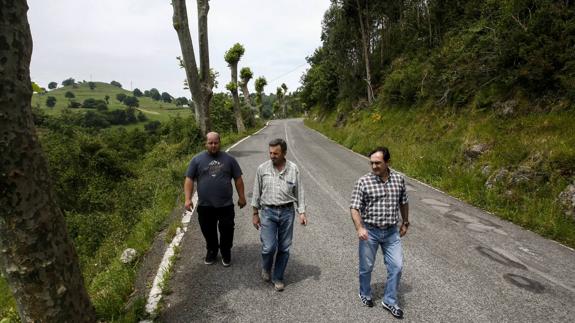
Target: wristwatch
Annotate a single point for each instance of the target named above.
(406, 223)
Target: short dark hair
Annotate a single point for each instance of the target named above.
(382, 150)
(279, 142)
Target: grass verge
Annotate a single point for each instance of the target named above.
(429, 144)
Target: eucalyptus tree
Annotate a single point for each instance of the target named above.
(260, 83)
(283, 102)
(246, 75)
(200, 81)
(280, 101)
(232, 57)
(37, 257)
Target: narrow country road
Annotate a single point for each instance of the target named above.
(460, 264)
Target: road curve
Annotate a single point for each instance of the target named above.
(461, 264)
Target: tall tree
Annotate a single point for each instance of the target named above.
(232, 57)
(365, 28)
(200, 82)
(260, 83)
(283, 103)
(36, 255)
(246, 75)
(280, 101)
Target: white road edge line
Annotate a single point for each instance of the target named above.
(156, 291)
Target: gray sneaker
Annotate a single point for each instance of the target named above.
(265, 275)
(279, 286)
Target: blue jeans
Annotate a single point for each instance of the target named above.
(276, 233)
(390, 243)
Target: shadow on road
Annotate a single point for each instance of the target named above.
(206, 291)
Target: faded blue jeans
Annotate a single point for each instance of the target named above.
(276, 233)
(390, 242)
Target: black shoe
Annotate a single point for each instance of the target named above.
(210, 257)
(393, 309)
(226, 261)
(366, 301)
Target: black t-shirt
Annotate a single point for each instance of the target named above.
(213, 174)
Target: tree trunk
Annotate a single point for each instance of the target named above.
(365, 45)
(246, 93)
(236, 97)
(36, 255)
(199, 81)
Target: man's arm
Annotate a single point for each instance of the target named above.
(300, 199)
(240, 189)
(361, 230)
(404, 210)
(188, 191)
(256, 192)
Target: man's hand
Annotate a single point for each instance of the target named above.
(302, 219)
(403, 229)
(242, 202)
(256, 221)
(189, 205)
(362, 233)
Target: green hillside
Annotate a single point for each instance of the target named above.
(476, 98)
(154, 110)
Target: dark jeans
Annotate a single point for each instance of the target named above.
(213, 218)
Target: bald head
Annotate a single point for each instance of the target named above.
(213, 142)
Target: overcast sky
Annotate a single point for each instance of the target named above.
(134, 43)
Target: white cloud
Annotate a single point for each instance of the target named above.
(133, 41)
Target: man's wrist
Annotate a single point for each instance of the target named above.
(406, 223)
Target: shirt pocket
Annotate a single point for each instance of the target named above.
(290, 183)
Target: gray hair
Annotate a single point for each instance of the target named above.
(279, 142)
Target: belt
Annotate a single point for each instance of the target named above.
(384, 227)
(281, 206)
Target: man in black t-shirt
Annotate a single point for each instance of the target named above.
(213, 171)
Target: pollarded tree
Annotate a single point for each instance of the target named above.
(200, 81)
(260, 83)
(52, 85)
(280, 99)
(232, 57)
(38, 259)
(246, 75)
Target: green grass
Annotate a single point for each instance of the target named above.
(154, 110)
(428, 144)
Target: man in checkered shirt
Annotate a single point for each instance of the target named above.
(377, 200)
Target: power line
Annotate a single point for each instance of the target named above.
(293, 70)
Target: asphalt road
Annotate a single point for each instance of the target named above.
(460, 264)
